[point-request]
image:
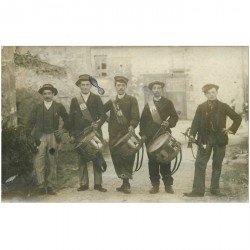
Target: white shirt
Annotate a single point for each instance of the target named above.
(121, 96)
(48, 104)
(85, 96)
(157, 98)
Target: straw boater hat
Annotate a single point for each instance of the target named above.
(209, 86)
(82, 78)
(48, 87)
(150, 86)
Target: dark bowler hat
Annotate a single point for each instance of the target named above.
(121, 79)
(209, 86)
(82, 78)
(48, 87)
(150, 86)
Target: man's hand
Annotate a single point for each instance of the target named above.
(72, 139)
(165, 124)
(131, 129)
(94, 125)
(191, 139)
(227, 131)
(59, 132)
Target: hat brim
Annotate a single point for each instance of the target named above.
(150, 86)
(81, 80)
(54, 90)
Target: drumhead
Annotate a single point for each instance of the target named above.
(158, 143)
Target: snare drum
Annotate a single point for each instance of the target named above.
(128, 145)
(89, 145)
(165, 148)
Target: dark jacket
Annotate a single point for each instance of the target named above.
(165, 109)
(36, 118)
(77, 122)
(201, 128)
(130, 109)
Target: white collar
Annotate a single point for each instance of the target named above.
(121, 96)
(85, 96)
(157, 98)
(48, 104)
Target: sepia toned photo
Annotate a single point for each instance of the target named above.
(124, 124)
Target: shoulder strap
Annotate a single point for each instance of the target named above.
(85, 111)
(154, 112)
(121, 119)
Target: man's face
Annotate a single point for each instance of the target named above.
(48, 95)
(85, 87)
(120, 87)
(157, 90)
(211, 94)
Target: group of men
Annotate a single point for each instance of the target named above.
(87, 110)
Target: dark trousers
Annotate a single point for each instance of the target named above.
(201, 164)
(155, 169)
(123, 166)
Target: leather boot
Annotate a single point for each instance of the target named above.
(100, 188)
(169, 189)
(83, 188)
(154, 189)
(126, 186)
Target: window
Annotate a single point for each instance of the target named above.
(101, 65)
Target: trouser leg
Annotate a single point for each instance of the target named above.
(116, 159)
(218, 156)
(39, 163)
(165, 170)
(83, 171)
(153, 167)
(97, 171)
(53, 157)
(200, 170)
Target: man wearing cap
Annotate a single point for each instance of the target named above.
(86, 110)
(209, 125)
(157, 113)
(124, 118)
(44, 124)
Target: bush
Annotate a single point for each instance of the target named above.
(18, 150)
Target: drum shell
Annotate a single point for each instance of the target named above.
(88, 148)
(128, 145)
(166, 152)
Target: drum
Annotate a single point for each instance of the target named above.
(128, 145)
(89, 145)
(165, 148)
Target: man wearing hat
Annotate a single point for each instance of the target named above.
(44, 123)
(124, 118)
(157, 113)
(209, 125)
(86, 111)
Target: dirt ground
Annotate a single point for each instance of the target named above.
(234, 178)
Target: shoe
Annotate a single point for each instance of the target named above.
(217, 193)
(120, 189)
(83, 188)
(126, 190)
(169, 189)
(193, 194)
(51, 191)
(100, 188)
(41, 191)
(154, 190)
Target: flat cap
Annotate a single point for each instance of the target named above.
(150, 86)
(209, 86)
(48, 87)
(121, 79)
(82, 78)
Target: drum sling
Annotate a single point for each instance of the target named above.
(121, 119)
(102, 166)
(154, 112)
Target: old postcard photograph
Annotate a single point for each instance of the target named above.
(125, 124)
